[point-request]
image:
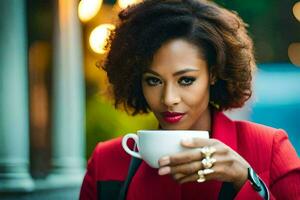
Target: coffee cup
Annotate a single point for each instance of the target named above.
(154, 144)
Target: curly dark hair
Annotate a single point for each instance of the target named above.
(143, 28)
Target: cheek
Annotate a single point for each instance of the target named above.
(151, 95)
(197, 96)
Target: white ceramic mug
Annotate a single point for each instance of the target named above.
(154, 144)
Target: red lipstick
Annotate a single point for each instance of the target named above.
(172, 117)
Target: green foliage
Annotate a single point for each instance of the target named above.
(272, 26)
(104, 122)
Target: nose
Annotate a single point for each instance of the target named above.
(170, 96)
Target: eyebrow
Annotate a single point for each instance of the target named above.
(174, 74)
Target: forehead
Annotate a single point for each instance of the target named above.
(177, 54)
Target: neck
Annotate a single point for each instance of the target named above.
(204, 122)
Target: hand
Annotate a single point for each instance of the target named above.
(183, 166)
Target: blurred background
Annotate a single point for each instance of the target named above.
(54, 102)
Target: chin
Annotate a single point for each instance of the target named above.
(176, 126)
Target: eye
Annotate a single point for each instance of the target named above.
(186, 81)
(152, 81)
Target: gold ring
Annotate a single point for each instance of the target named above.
(208, 151)
(208, 171)
(208, 162)
(202, 174)
(201, 178)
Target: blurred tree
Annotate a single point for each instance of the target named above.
(271, 25)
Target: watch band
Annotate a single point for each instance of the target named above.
(257, 184)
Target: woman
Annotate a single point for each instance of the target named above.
(187, 61)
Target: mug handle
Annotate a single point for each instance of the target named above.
(125, 147)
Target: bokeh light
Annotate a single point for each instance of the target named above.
(98, 37)
(124, 3)
(87, 9)
(296, 10)
(294, 53)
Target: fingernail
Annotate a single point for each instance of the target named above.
(187, 141)
(164, 161)
(164, 171)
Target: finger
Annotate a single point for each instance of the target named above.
(178, 176)
(194, 153)
(187, 168)
(189, 178)
(185, 157)
(219, 171)
(210, 175)
(190, 168)
(224, 170)
(198, 142)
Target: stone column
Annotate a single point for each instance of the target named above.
(68, 95)
(14, 125)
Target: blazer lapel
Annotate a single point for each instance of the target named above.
(224, 130)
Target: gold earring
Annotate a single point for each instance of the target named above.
(216, 105)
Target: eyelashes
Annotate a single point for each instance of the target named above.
(182, 81)
(153, 81)
(186, 81)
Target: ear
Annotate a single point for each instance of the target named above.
(212, 77)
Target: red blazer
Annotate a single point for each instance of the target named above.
(267, 150)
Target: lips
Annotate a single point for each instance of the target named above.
(172, 117)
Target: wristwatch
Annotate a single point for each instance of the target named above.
(257, 184)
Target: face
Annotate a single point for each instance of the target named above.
(176, 87)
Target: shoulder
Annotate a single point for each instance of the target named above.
(110, 160)
(266, 145)
(108, 147)
(256, 143)
(260, 132)
(254, 127)
(248, 132)
(246, 135)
